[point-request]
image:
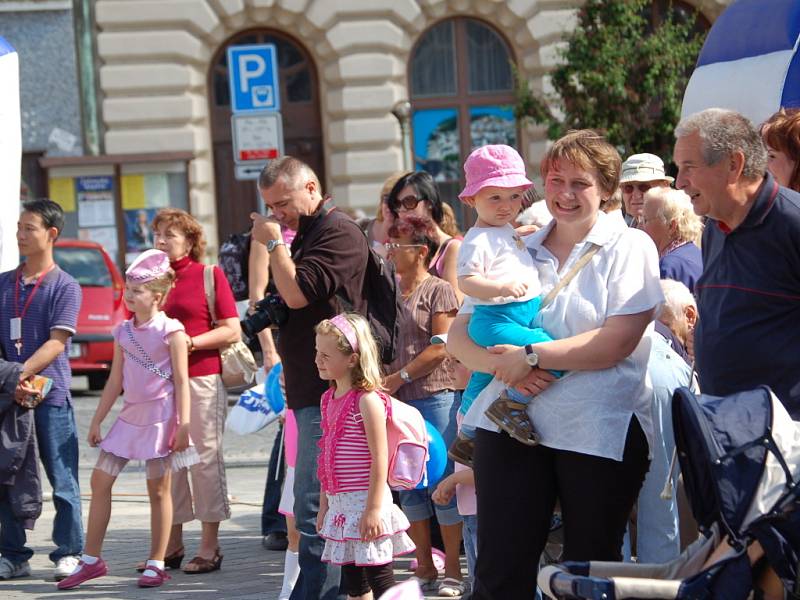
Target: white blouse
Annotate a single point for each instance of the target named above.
(590, 411)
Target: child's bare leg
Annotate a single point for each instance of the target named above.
(160, 515)
(292, 535)
(99, 511)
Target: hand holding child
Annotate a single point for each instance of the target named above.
(181, 441)
(515, 289)
(369, 528)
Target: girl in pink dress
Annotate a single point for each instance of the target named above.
(150, 364)
(362, 528)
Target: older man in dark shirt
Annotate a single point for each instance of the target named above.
(749, 293)
(327, 263)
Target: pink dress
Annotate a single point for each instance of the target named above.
(147, 422)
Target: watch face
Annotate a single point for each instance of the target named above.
(532, 358)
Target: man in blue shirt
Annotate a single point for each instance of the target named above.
(39, 306)
(748, 296)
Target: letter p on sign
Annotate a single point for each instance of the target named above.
(253, 73)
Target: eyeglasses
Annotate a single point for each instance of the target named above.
(395, 245)
(642, 187)
(407, 202)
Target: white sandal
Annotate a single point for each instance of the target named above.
(452, 588)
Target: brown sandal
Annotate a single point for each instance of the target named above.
(461, 450)
(512, 417)
(203, 565)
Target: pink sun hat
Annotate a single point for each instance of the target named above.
(149, 265)
(495, 165)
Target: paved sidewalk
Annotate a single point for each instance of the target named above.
(248, 570)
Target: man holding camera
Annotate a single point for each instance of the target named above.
(326, 263)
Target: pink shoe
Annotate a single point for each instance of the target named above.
(83, 573)
(159, 578)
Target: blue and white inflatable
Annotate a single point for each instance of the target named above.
(10, 155)
(749, 62)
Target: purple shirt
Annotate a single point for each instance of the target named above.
(55, 306)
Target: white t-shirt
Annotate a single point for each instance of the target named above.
(589, 411)
(498, 254)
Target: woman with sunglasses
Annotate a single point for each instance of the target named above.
(640, 172)
(423, 375)
(416, 193)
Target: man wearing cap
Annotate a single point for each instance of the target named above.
(748, 296)
(39, 306)
(640, 172)
(327, 261)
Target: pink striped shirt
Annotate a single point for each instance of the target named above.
(344, 440)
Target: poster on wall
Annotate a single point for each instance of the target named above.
(138, 233)
(95, 197)
(492, 125)
(436, 143)
(105, 236)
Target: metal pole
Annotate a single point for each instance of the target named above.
(83, 19)
(402, 112)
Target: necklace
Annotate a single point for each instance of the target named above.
(412, 288)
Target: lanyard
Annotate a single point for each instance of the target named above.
(33, 292)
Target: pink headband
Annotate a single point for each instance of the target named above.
(348, 331)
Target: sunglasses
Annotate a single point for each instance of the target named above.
(628, 188)
(407, 202)
(395, 245)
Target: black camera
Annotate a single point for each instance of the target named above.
(271, 311)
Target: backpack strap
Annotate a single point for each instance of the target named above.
(564, 282)
(210, 291)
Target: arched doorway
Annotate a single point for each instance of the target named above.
(462, 91)
(302, 123)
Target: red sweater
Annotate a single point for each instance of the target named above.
(187, 303)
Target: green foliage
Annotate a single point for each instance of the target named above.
(618, 74)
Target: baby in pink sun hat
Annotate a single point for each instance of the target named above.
(499, 278)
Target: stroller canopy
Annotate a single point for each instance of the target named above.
(739, 455)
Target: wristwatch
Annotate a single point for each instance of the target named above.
(272, 244)
(405, 376)
(531, 357)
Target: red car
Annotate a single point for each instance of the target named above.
(102, 307)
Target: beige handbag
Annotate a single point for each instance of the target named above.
(238, 365)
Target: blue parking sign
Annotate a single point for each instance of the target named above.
(253, 75)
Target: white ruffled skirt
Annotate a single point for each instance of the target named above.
(343, 543)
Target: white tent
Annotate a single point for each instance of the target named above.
(10, 155)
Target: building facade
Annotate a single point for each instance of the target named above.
(343, 65)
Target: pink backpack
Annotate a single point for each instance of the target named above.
(408, 444)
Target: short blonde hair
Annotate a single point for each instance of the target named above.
(586, 149)
(677, 207)
(367, 373)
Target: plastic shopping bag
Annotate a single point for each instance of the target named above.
(251, 412)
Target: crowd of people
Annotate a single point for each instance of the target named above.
(544, 355)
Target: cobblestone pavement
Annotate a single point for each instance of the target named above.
(248, 571)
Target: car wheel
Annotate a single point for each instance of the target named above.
(97, 380)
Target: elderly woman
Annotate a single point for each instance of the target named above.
(669, 219)
(781, 134)
(416, 193)
(594, 423)
(180, 235)
(423, 376)
(640, 173)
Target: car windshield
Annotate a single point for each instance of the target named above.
(86, 265)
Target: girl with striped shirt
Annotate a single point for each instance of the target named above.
(362, 528)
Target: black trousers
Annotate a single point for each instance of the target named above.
(517, 488)
(358, 581)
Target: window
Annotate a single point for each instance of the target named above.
(461, 98)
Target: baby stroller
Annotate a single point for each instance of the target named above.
(740, 460)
